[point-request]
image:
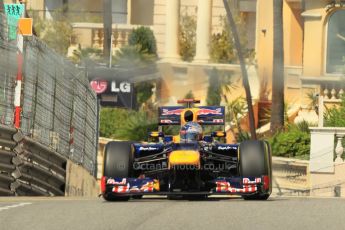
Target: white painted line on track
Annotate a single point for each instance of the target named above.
(13, 206)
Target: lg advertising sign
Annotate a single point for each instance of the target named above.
(114, 93)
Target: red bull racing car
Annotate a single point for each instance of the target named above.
(190, 164)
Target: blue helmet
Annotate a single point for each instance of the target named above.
(191, 132)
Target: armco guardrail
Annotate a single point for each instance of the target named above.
(6, 160)
(28, 167)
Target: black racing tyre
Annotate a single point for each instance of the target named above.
(175, 197)
(118, 159)
(255, 161)
(118, 162)
(137, 197)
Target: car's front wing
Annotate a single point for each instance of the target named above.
(149, 186)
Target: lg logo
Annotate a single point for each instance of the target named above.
(124, 87)
(100, 86)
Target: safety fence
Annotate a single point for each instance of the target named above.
(8, 67)
(58, 119)
(59, 109)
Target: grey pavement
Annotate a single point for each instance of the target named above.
(158, 213)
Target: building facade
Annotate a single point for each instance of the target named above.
(314, 42)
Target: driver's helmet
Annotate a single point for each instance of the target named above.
(191, 132)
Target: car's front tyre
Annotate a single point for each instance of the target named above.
(255, 161)
(118, 162)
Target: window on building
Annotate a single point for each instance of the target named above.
(335, 62)
(119, 9)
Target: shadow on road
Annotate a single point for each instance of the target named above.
(196, 199)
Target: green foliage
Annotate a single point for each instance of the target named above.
(140, 52)
(220, 82)
(294, 142)
(189, 95)
(129, 57)
(143, 91)
(242, 136)
(109, 121)
(187, 37)
(266, 116)
(214, 89)
(313, 98)
(87, 54)
(222, 48)
(136, 126)
(126, 124)
(132, 56)
(56, 34)
(236, 108)
(144, 38)
(303, 126)
(335, 117)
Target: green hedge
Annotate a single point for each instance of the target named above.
(143, 37)
(291, 143)
(335, 117)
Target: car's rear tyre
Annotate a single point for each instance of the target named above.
(118, 162)
(255, 161)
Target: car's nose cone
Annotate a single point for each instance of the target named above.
(184, 157)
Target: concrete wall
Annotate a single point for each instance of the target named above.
(79, 182)
(327, 184)
(290, 177)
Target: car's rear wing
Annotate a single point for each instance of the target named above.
(206, 115)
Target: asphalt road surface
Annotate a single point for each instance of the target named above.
(158, 213)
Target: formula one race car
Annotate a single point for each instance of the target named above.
(188, 165)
